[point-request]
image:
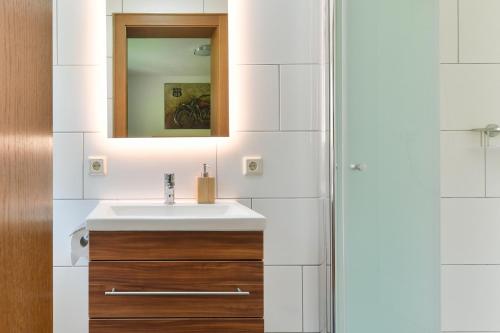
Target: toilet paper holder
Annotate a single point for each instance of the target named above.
(84, 240)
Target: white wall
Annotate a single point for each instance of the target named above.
(273, 57)
(470, 175)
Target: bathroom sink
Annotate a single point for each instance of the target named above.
(182, 216)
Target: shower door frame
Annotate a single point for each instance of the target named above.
(332, 162)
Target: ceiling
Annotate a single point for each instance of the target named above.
(167, 56)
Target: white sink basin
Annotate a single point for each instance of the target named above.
(183, 216)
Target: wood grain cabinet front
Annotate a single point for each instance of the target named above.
(177, 325)
(176, 289)
(165, 282)
(176, 245)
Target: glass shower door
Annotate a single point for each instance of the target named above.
(387, 157)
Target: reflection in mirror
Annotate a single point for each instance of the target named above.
(170, 75)
(168, 87)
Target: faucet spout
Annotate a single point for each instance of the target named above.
(169, 188)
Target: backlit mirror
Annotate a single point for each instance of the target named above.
(170, 75)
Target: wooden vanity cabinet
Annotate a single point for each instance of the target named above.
(176, 281)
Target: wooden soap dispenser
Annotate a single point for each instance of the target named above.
(205, 187)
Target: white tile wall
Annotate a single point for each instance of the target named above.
(109, 116)
(70, 299)
(469, 99)
(470, 231)
(311, 299)
(290, 161)
(245, 202)
(268, 31)
(54, 32)
(80, 32)
(109, 36)
(162, 6)
(109, 77)
(136, 167)
(469, 96)
(470, 298)
(262, 35)
(479, 31)
(215, 6)
(68, 161)
(448, 23)
(113, 6)
(292, 230)
(79, 97)
(493, 168)
(255, 96)
(300, 98)
(283, 299)
(462, 165)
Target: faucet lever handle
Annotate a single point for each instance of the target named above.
(170, 179)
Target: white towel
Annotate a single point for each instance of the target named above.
(79, 244)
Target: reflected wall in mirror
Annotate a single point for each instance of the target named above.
(170, 75)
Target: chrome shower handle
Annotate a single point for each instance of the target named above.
(358, 167)
(490, 131)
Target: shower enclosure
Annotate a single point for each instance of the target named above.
(382, 267)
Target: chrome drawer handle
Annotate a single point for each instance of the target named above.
(238, 292)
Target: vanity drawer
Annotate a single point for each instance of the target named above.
(176, 245)
(189, 289)
(177, 325)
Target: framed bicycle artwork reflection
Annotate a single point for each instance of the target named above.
(187, 105)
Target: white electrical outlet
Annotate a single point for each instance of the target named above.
(97, 166)
(253, 166)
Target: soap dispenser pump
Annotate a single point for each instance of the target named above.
(205, 187)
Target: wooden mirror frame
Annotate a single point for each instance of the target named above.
(212, 26)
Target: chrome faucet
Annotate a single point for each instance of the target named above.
(169, 188)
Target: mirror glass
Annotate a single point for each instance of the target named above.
(168, 87)
(169, 75)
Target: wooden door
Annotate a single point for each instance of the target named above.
(26, 170)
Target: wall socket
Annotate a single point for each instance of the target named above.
(97, 166)
(253, 166)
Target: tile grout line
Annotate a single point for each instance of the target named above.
(455, 130)
(496, 264)
(469, 63)
(76, 132)
(442, 197)
(282, 131)
(302, 307)
(79, 65)
(278, 64)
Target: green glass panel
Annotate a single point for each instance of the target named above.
(387, 120)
